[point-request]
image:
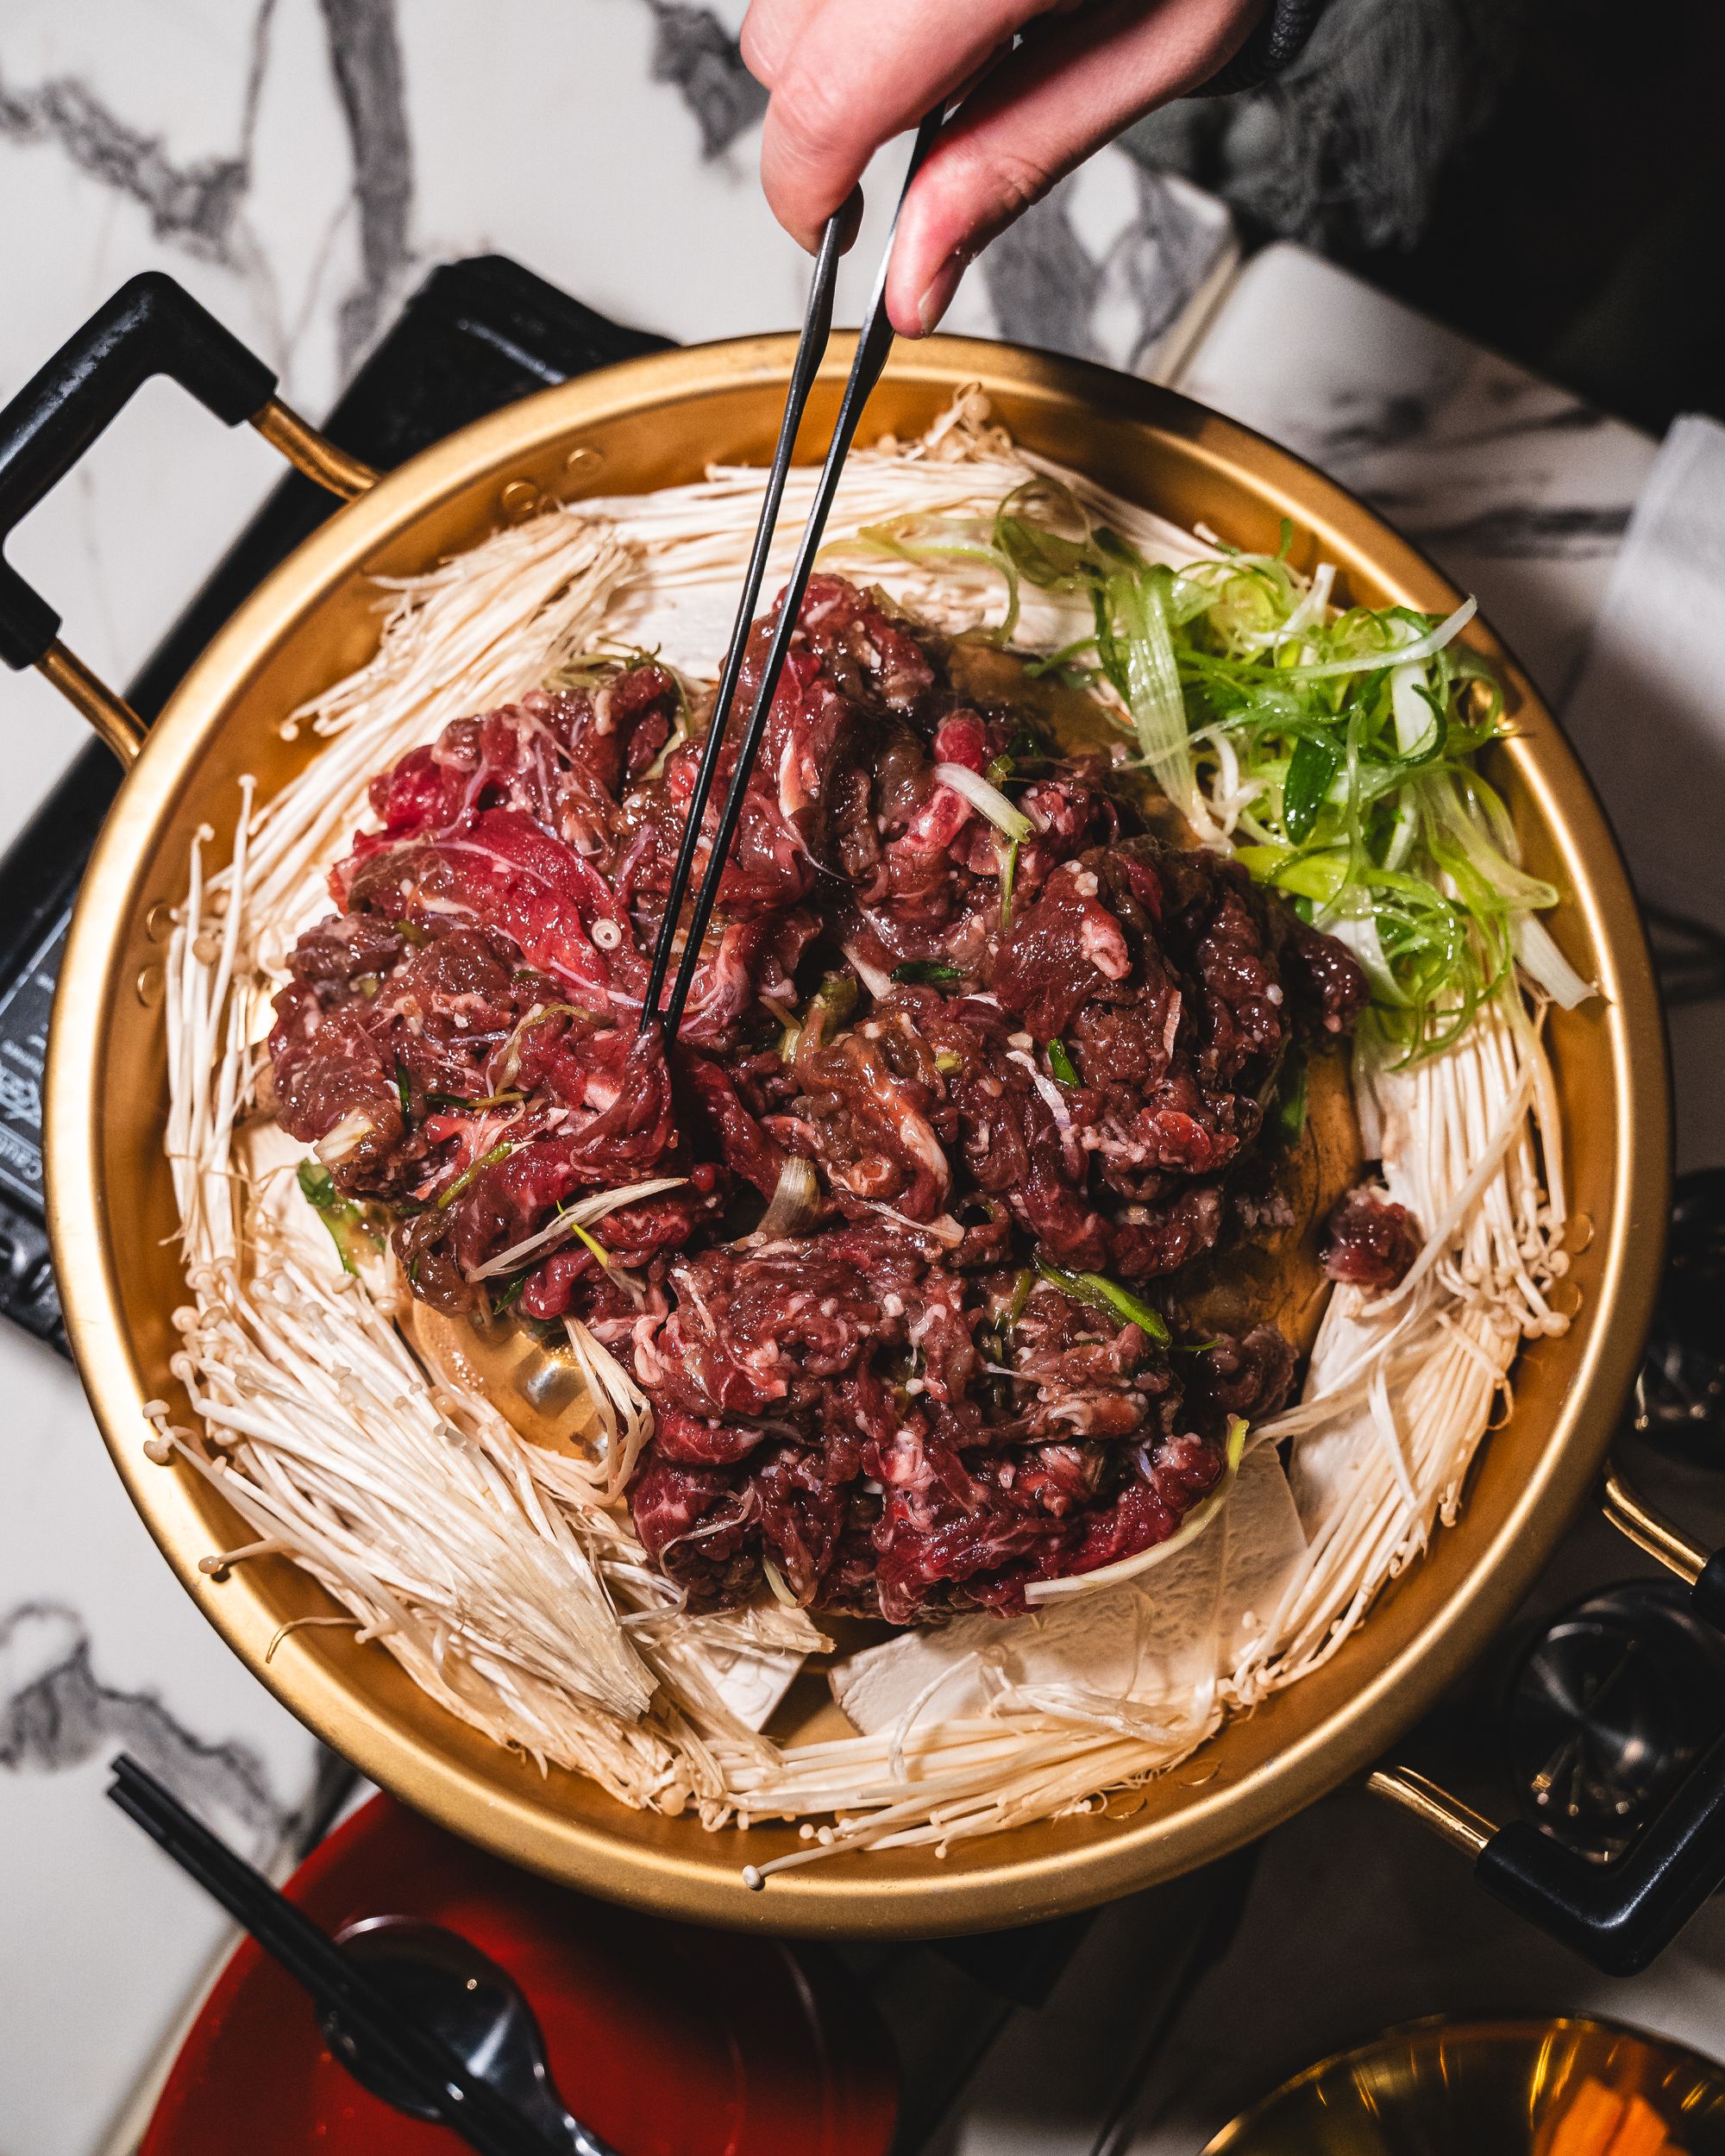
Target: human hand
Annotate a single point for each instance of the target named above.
(846, 76)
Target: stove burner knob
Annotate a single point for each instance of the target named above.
(1680, 1394)
(1608, 1710)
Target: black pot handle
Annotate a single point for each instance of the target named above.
(1621, 1915)
(151, 326)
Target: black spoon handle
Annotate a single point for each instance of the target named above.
(470, 2107)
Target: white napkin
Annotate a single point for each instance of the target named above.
(1647, 717)
(1647, 712)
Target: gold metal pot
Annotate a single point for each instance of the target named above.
(657, 421)
(1489, 2088)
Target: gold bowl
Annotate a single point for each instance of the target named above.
(650, 422)
(1440, 2088)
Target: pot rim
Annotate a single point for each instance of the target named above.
(865, 1894)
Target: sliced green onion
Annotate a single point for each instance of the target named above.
(1025, 535)
(835, 999)
(1425, 646)
(1545, 965)
(1061, 1064)
(1059, 663)
(489, 1160)
(1099, 1293)
(987, 800)
(607, 1262)
(594, 1245)
(509, 1063)
(603, 664)
(796, 1197)
(316, 1186)
(510, 1295)
(929, 973)
(1009, 876)
(346, 1137)
(584, 1211)
(1419, 717)
(776, 1582)
(1150, 675)
(1290, 1119)
(1316, 762)
(346, 1223)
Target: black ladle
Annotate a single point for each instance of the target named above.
(447, 1986)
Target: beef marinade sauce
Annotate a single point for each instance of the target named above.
(1027, 1075)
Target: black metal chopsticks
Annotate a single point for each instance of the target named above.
(368, 2014)
(873, 344)
(817, 328)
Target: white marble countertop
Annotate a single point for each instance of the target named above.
(299, 165)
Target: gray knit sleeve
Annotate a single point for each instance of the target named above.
(1277, 39)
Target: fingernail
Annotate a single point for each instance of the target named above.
(938, 296)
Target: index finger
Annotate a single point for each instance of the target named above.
(854, 77)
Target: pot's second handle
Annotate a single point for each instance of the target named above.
(1623, 1914)
(151, 326)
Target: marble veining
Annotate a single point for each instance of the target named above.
(200, 205)
(102, 1938)
(692, 50)
(57, 1713)
(365, 61)
(1106, 266)
(1472, 416)
(1525, 532)
(197, 204)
